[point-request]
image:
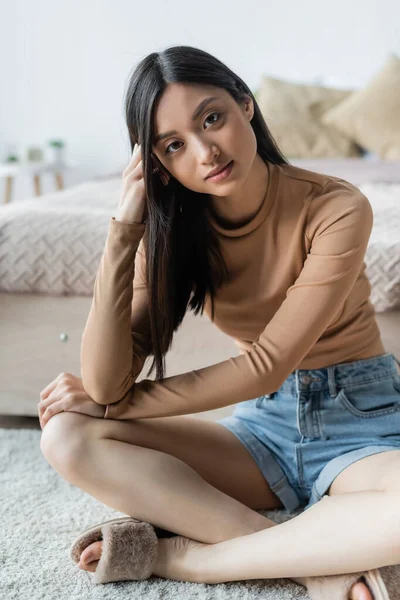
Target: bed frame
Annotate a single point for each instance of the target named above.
(41, 335)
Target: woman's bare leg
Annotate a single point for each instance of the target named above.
(146, 483)
(149, 485)
(338, 535)
(161, 489)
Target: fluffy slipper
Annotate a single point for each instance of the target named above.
(129, 549)
(383, 584)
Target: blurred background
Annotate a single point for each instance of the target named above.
(64, 64)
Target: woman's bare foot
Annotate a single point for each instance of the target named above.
(177, 559)
(90, 557)
(359, 591)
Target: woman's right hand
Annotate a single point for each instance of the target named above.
(132, 206)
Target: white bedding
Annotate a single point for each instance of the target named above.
(53, 244)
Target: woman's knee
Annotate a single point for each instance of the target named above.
(63, 437)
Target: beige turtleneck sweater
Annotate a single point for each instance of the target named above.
(299, 299)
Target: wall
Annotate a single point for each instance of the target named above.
(65, 64)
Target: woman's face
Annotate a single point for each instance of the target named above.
(219, 132)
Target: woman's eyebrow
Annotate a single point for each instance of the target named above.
(195, 115)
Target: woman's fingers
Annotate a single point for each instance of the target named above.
(44, 404)
(50, 387)
(62, 377)
(135, 166)
(50, 411)
(56, 402)
(58, 395)
(47, 390)
(133, 163)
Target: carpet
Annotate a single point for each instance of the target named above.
(42, 514)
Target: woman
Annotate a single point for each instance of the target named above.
(275, 256)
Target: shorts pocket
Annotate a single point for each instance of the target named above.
(396, 383)
(262, 399)
(372, 399)
(245, 405)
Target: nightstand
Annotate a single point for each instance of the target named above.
(35, 169)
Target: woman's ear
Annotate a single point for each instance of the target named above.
(159, 169)
(249, 106)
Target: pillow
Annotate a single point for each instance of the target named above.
(371, 116)
(292, 112)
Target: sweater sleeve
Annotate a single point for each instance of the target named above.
(115, 340)
(337, 231)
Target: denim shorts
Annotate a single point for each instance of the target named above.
(317, 423)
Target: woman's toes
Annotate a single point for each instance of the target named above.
(90, 567)
(359, 591)
(91, 556)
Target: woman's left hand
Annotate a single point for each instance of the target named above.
(66, 393)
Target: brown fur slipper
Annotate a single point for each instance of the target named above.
(129, 549)
(383, 583)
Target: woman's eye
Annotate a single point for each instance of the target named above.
(206, 119)
(212, 114)
(168, 147)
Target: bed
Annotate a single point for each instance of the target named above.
(50, 249)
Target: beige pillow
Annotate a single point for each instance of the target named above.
(371, 116)
(292, 112)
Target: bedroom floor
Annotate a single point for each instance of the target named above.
(15, 422)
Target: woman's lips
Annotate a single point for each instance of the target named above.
(222, 174)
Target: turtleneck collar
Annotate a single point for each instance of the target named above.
(261, 215)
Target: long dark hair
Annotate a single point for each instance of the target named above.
(183, 257)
